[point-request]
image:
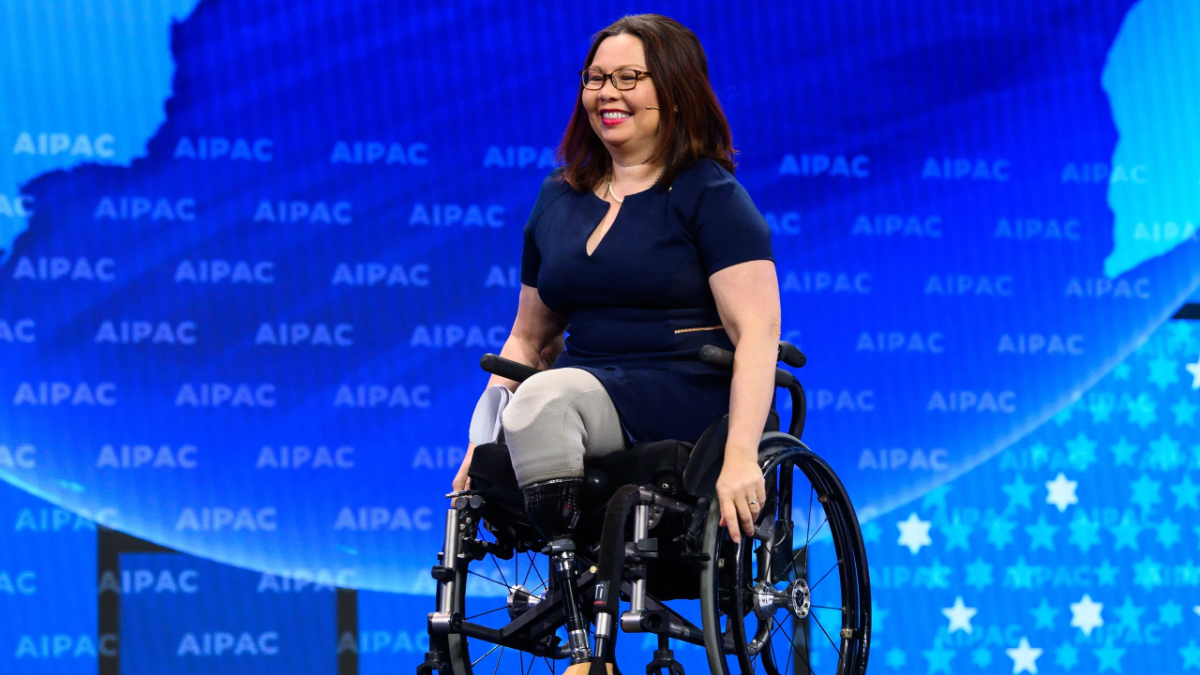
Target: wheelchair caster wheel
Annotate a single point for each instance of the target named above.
(435, 662)
(664, 663)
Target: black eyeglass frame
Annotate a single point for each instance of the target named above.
(611, 77)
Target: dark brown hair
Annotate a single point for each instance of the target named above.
(692, 125)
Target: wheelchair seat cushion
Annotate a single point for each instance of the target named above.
(670, 466)
(491, 471)
(660, 464)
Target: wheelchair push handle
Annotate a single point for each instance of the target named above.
(788, 354)
(715, 356)
(710, 354)
(723, 358)
(791, 355)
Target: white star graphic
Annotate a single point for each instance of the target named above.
(914, 533)
(1061, 492)
(1085, 614)
(960, 616)
(1194, 369)
(1024, 657)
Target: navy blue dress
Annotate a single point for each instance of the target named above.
(631, 303)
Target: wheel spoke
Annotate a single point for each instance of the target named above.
(498, 658)
(807, 541)
(814, 586)
(809, 533)
(535, 571)
(488, 579)
(774, 656)
(806, 661)
(528, 569)
(795, 648)
(831, 643)
(808, 515)
(816, 531)
(787, 666)
(836, 609)
(771, 644)
(476, 661)
(790, 565)
(497, 564)
(775, 629)
(490, 611)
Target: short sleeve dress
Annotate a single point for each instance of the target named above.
(640, 307)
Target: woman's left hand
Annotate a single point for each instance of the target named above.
(741, 492)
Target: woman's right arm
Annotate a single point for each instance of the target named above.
(535, 340)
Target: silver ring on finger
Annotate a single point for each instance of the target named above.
(753, 502)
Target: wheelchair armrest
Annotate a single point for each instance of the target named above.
(507, 368)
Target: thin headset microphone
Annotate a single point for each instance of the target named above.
(652, 107)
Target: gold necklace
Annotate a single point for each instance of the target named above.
(622, 201)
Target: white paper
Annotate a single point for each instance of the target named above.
(485, 423)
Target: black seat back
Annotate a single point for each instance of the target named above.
(708, 456)
(704, 466)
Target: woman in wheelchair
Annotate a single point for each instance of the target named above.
(655, 413)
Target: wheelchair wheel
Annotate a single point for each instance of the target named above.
(493, 592)
(795, 598)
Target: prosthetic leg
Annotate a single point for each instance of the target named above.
(554, 508)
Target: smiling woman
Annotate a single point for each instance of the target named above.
(675, 113)
(649, 249)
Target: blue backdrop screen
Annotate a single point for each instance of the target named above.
(250, 254)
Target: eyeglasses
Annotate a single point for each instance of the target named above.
(623, 79)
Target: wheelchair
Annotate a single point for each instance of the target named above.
(792, 598)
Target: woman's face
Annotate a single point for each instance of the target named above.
(620, 118)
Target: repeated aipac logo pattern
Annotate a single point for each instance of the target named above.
(1075, 551)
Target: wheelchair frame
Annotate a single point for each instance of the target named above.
(620, 569)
